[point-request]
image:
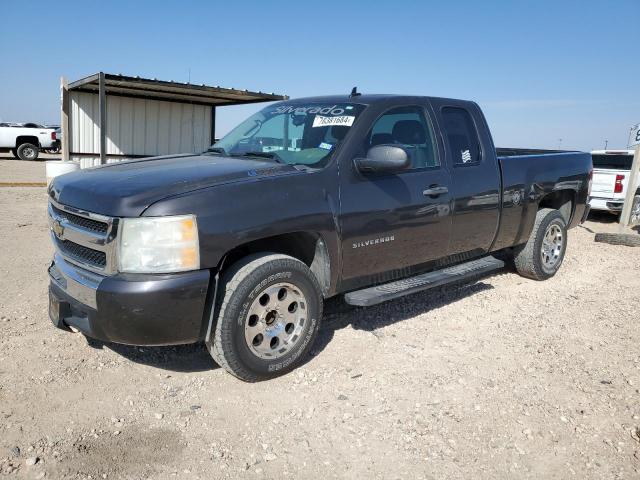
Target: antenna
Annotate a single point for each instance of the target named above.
(354, 92)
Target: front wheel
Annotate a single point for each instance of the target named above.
(268, 316)
(540, 258)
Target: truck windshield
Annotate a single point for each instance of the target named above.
(292, 133)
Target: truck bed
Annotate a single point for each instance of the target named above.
(528, 178)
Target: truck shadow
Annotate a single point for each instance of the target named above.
(337, 315)
(177, 358)
(600, 216)
(603, 218)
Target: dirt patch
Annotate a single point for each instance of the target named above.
(13, 170)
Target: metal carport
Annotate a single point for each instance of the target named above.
(108, 117)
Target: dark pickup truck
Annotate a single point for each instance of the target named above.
(371, 196)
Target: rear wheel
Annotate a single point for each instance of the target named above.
(541, 257)
(27, 151)
(268, 316)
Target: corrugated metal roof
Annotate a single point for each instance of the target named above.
(138, 87)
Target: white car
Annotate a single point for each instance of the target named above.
(26, 140)
(611, 171)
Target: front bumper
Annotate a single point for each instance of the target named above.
(130, 309)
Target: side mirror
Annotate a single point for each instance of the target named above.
(383, 158)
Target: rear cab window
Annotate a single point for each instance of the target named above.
(461, 136)
(614, 161)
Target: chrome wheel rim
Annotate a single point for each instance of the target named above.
(552, 244)
(275, 321)
(28, 152)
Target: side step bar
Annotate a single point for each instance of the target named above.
(388, 291)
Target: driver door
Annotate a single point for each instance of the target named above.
(391, 226)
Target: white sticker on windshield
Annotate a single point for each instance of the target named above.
(345, 120)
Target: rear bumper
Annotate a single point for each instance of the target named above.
(606, 204)
(129, 309)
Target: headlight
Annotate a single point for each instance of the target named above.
(159, 244)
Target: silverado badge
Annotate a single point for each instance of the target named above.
(373, 241)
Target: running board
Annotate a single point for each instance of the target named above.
(388, 291)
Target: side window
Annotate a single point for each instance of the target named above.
(462, 137)
(409, 128)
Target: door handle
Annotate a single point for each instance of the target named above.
(434, 191)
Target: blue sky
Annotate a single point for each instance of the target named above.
(542, 70)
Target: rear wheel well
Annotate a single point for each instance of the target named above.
(561, 200)
(27, 139)
(307, 247)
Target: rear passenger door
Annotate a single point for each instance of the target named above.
(475, 179)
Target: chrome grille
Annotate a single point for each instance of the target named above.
(81, 254)
(82, 222)
(84, 238)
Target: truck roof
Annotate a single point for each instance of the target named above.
(367, 99)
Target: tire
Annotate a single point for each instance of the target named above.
(635, 210)
(243, 337)
(28, 151)
(14, 152)
(530, 259)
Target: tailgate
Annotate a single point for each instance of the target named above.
(603, 182)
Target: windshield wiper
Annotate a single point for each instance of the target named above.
(270, 155)
(217, 150)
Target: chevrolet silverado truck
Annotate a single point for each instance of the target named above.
(368, 196)
(25, 141)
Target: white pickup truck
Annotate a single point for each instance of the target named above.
(25, 141)
(611, 171)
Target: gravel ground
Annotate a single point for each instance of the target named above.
(14, 170)
(500, 378)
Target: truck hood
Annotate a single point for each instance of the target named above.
(126, 189)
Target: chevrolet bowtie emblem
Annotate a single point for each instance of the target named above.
(57, 228)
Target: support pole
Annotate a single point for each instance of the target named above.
(102, 107)
(213, 125)
(65, 142)
(632, 185)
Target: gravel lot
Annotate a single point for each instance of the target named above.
(500, 378)
(13, 170)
